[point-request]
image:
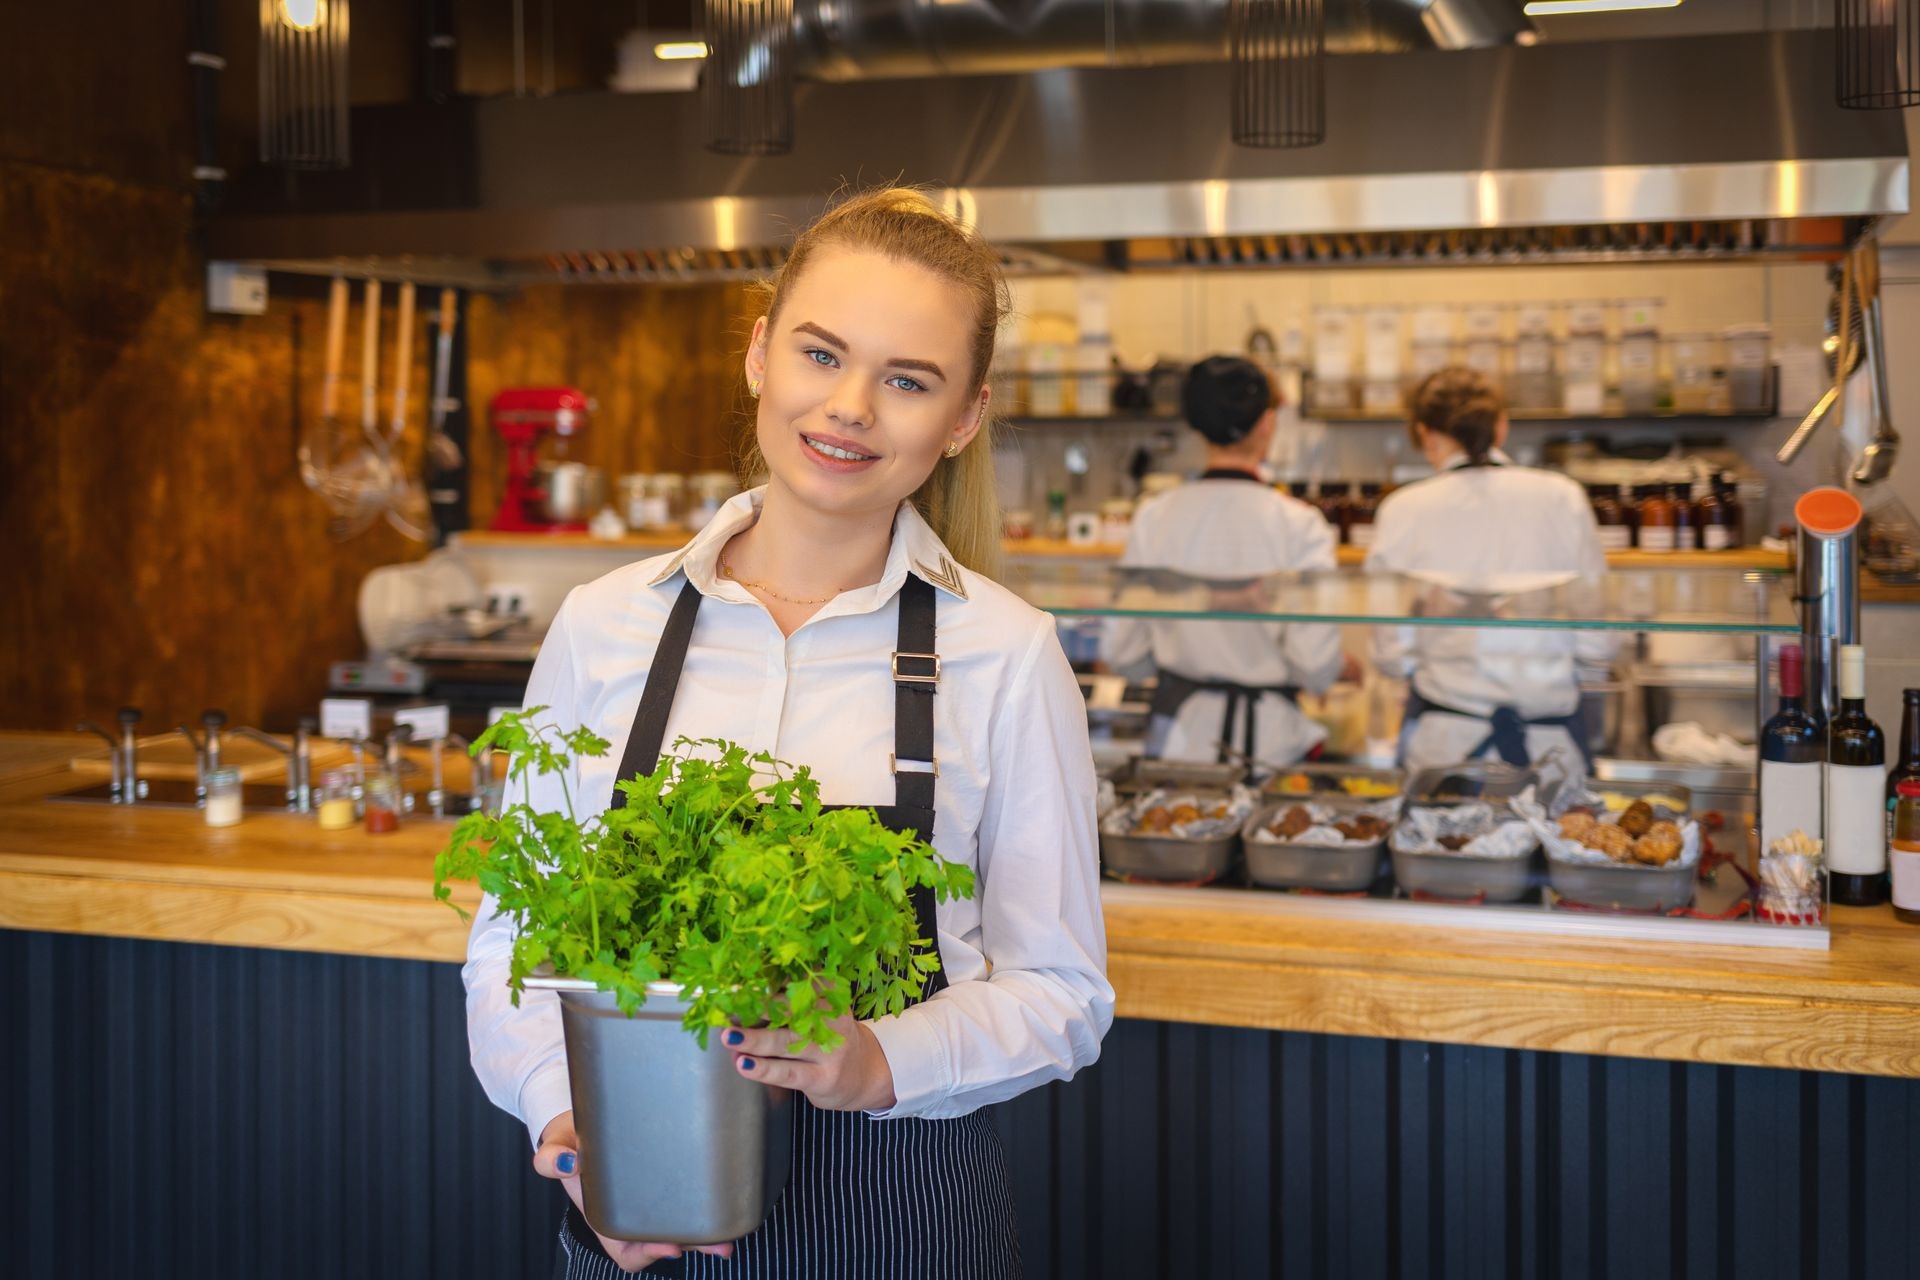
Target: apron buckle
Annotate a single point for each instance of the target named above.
(908, 677)
(897, 765)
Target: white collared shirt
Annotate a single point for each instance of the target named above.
(1228, 528)
(1488, 525)
(1028, 999)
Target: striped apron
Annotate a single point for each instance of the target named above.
(865, 1199)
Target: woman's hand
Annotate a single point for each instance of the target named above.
(854, 1077)
(557, 1158)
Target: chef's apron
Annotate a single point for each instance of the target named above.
(1173, 689)
(1506, 727)
(903, 1199)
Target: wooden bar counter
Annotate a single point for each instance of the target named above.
(1216, 957)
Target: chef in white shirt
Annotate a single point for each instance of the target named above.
(1484, 525)
(1229, 684)
(839, 618)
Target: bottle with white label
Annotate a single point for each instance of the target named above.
(1856, 850)
(1793, 751)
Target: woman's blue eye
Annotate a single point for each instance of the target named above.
(907, 384)
(822, 358)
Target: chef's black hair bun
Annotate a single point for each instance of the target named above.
(1224, 397)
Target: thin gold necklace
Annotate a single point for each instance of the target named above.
(726, 571)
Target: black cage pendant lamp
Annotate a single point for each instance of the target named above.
(1877, 52)
(1279, 53)
(746, 88)
(303, 83)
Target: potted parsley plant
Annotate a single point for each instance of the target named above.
(723, 893)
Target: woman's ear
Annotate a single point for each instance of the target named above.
(974, 418)
(1500, 432)
(756, 360)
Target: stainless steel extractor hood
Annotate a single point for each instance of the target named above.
(1723, 146)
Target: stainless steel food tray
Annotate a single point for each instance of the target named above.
(1284, 864)
(1326, 781)
(1447, 875)
(1145, 774)
(1169, 857)
(1621, 886)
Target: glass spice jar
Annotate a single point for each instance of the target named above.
(333, 801)
(223, 797)
(382, 803)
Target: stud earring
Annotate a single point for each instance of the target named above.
(753, 388)
(953, 449)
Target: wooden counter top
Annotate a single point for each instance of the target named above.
(1223, 957)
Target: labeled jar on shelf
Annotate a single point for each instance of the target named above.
(1639, 373)
(1749, 361)
(333, 801)
(1616, 526)
(383, 803)
(1332, 501)
(1654, 519)
(1692, 360)
(1718, 515)
(1116, 521)
(223, 797)
(1360, 515)
(1686, 524)
(707, 492)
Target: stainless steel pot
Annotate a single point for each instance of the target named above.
(674, 1143)
(575, 491)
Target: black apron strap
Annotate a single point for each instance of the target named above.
(644, 740)
(916, 675)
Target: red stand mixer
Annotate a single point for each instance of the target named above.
(543, 494)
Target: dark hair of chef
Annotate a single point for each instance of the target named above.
(1224, 398)
(1461, 403)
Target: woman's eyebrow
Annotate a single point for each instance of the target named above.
(898, 362)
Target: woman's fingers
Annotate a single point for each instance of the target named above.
(761, 1042)
(787, 1073)
(554, 1160)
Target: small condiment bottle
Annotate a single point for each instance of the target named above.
(1686, 524)
(333, 800)
(1332, 501)
(223, 797)
(1360, 515)
(382, 803)
(1719, 514)
(1655, 519)
(1616, 530)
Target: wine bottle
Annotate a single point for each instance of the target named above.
(1856, 850)
(1793, 749)
(1906, 764)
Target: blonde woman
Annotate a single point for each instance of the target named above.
(802, 622)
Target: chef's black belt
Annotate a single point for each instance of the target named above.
(1174, 689)
(1507, 728)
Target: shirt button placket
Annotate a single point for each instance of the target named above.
(773, 698)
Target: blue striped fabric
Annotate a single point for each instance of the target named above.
(867, 1200)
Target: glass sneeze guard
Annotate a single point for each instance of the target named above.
(1749, 602)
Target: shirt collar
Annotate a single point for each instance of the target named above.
(1459, 460)
(915, 548)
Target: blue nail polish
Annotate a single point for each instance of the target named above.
(565, 1163)
(746, 1063)
(734, 1037)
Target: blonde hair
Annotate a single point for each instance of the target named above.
(1459, 402)
(959, 499)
